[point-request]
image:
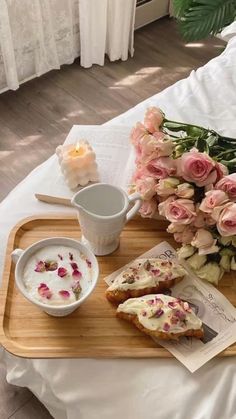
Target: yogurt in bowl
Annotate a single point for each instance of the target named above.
(56, 274)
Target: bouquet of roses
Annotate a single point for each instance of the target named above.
(186, 173)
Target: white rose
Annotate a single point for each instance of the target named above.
(226, 240)
(211, 272)
(233, 264)
(197, 261)
(225, 262)
(185, 251)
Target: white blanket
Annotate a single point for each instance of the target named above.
(136, 389)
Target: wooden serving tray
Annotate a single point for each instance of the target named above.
(92, 331)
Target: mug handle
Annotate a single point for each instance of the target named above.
(16, 255)
(134, 197)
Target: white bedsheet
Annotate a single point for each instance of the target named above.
(136, 389)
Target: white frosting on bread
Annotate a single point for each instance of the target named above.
(162, 313)
(145, 273)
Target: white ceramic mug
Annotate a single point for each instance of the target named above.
(20, 257)
(103, 210)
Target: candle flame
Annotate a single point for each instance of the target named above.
(77, 147)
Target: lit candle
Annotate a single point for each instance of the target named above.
(78, 163)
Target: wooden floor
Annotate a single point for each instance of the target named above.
(38, 116)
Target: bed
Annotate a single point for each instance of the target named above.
(135, 389)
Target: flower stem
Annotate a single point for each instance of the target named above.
(225, 152)
(190, 125)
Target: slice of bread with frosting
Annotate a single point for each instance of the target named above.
(144, 276)
(161, 316)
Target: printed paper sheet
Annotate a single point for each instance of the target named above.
(217, 314)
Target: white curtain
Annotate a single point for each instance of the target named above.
(40, 35)
(106, 26)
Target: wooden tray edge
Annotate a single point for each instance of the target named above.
(18, 350)
(8, 263)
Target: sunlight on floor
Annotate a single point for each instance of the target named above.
(29, 140)
(73, 114)
(4, 154)
(194, 45)
(200, 45)
(147, 73)
(132, 79)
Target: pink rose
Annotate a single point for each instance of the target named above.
(146, 187)
(185, 236)
(145, 147)
(175, 228)
(148, 208)
(151, 147)
(200, 218)
(225, 217)
(167, 186)
(197, 167)
(209, 220)
(185, 190)
(205, 242)
(161, 167)
(221, 170)
(140, 173)
(137, 132)
(228, 185)
(164, 144)
(213, 198)
(153, 119)
(178, 210)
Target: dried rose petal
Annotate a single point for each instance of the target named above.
(150, 302)
(158, 313)
(129, 280)
(76, 274)
(60, 257)
(147, 265)
(174, 320)
(74, 265)
(71, 257)
(172, 304)
(76, 288)
(164, 262)
(89, 263)
(159, 301)
(155, 271)
(180, 315)
(64, 293)
(44, 291)
(62, 272)
(51, 265)
(186, 306)
(166, 327)
(40, 267)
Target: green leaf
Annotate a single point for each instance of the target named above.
(228, 139)
(174, 126)
(204, 17)
(181, 6)
(212, 140)
(202, 145)
(229, 163)
(194, 131)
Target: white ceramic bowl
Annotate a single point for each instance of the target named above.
(20, 257)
